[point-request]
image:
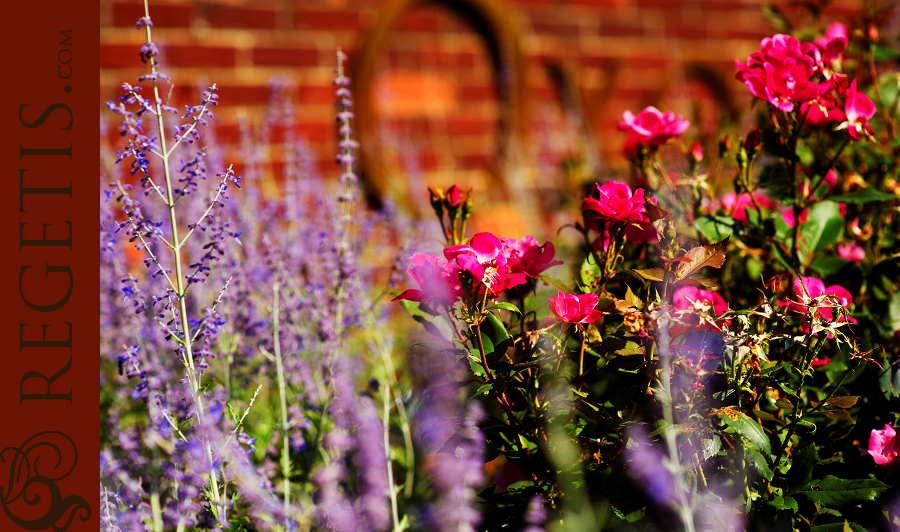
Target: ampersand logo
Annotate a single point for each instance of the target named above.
(31, 497)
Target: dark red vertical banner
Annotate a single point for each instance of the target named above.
(49, 392)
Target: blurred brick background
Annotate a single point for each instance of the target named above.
(435, 89)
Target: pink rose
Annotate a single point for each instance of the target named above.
(652, 127)
(737, 204)
(788, 217)
(437, 279)
(525, 255)
(781, 71)
(852, 252)
(817, 117)
(833, 43)
(883, 445)
(815, 288)
(483, 258)
(617, 202)
(859, 109)
(575, 308)
(685, 297)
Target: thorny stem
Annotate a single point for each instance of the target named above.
(811, 353)
(481, 351)
(181, 290)
(873, 73)
(831, 162)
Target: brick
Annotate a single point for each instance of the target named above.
(421, 20)
(668, 4)
(599, 3)
(755, 35)
(609, 29)
(467, 126)
(243, 95)
(316, 94)
(317, 131)
(162, 15)
(555, 28)
(479, 92)
(476, 160)
(224, 16)
(686, 32)
(284, 56)
(119, 55)
(596, 61)
(192, 55)
(428, 160)
(320, 19)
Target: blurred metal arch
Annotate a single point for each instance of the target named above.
(495, 22)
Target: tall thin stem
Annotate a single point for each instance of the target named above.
(285, 456)
(180, 288)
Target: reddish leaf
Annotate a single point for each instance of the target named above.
(700, 281)
(702, 256)
(651, 274)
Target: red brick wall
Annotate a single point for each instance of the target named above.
(616, 55)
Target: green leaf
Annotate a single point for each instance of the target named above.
(700, 257)
(477, 369)
(651, 274)
(784, 503)
(715, 228)
(506, 306)
(632, 299)
(802, 462)
(710, 446)
(589, 271)
(890, 381)
(864, 195)
(493, 332)
(894, 311)
(838, 493)
(846, 526)
(433, 324)
(557, 283)
(485, 388)
(828, 265)
(823, 227)
(759, 463)
(746, 427)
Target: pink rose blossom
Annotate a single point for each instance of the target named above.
(788, 217)
(815, 288)
(437, 279)
(781, 71)
(883, 445)
(617, 202)
(652, 127)
(525, 255)
(859, 109)
(736, 205)
(483, 258)
(852, 252)
(817, 117)
(819, 362)
(575, 308)
(834, 43)
(685, 297)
